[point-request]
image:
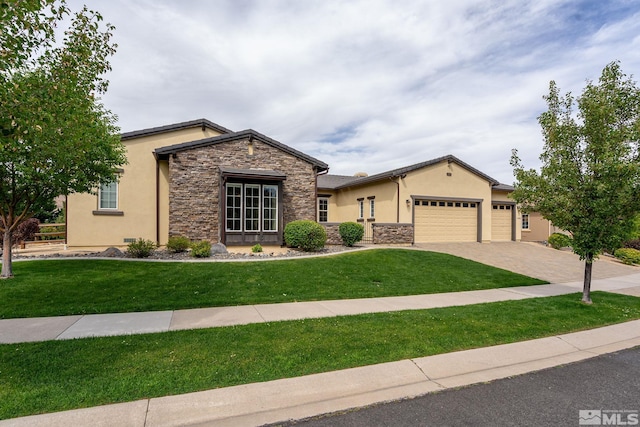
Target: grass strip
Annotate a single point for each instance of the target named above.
(66, 287)
(59, 375)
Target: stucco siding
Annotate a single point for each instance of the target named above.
(136, 197)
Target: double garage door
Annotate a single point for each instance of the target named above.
(446, 221)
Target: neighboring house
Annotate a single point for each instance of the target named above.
(200, 180)
(535, 228)
(440, 200)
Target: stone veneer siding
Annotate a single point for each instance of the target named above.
(333, 232)
(194, 185)
(392, 233)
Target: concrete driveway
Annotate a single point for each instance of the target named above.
(533, 260)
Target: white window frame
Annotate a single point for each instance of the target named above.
(372, 208)
(267, 216)
(227, 207)
(113, 188)
(526, 217)
(252, 195)
(269, 213)
(360, 209)
(323, 208)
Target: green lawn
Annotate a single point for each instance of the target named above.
(65, 287)
(58, 375)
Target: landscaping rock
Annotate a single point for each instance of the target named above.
(112, 253)
(218, 249)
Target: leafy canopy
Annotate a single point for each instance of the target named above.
(55, 136)
(589, 182)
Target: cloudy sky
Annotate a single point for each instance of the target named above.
(367, 85)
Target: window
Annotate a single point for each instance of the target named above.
(360, 208)
(252, 207)
(372, 208)
(270, 208)
(234, 207)
(525, 221)
(323, 210)
(108, 196)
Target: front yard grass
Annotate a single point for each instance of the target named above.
(66, 287)
(59, 375)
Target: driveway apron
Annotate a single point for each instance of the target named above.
(533, 260)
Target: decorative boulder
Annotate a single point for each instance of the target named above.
(112, 253)
(218, 249)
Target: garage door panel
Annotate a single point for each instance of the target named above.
(501, 223)
(446, 223)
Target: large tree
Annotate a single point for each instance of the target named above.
(55, 136)
(589, 181)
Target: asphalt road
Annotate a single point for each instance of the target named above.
(553, 397)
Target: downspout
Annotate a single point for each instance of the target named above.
(157, 201)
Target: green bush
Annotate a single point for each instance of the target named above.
(178, 244)
(351, 233)
(141, 248)
(256, 248)
(559, 241)
(201, 249)
(306, 235)
(628, 255)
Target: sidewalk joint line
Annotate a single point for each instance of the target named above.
(146, 413)
(423, 372)
(69, 327)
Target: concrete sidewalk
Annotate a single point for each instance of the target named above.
(95, 325)
(295, 398)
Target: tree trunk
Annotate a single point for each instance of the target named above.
(7, 267)
(586, 289)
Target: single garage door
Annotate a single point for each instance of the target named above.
(501, 222)
(445, 221)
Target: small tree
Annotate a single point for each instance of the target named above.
(589, 182)
(55, 137)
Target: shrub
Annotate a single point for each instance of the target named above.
(26, 230)
(201, 249)
(351, 233)
(559, 240)
(628, 255)
(178, 244)
(306, 235)
(141, 248)
(634, 244)
(256, 248)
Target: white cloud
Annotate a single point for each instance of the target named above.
(365, 85)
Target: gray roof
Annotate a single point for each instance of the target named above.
(503, 187)
(164, 152)
(201, 123)
(334, 181)
(334, 184)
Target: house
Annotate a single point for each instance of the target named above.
(203, 181)
(536, 228)
(440, 200)
(200, 180)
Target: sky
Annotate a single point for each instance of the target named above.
(369, 85)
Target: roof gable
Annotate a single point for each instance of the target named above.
(164, 152)
(335, 184)
(199, 123)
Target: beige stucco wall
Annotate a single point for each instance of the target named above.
(432, 181)
(539, 228)
(136, 196)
